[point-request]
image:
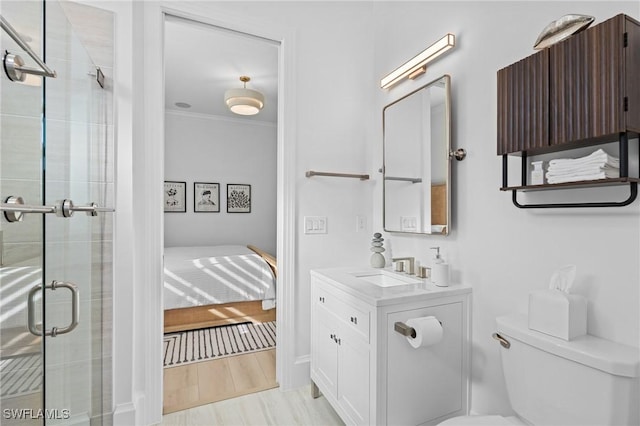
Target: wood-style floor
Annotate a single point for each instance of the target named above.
(201, 383)
(271, 407)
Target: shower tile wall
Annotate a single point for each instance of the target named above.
(80, 133)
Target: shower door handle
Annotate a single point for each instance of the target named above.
(36, 329)
(14, 209)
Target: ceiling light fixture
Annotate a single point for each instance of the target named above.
(244, 101)
(418, 64)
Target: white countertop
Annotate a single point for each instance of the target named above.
(347, 281)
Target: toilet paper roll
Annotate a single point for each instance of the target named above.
(428, 331)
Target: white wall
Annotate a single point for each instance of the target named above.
(200, 148)
(335, 91)
(502, 251)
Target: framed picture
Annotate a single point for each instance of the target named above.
(175, 196)
(206, 197)
(238, 198)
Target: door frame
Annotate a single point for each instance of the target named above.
(149, 218)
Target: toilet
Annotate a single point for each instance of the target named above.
(550, 381)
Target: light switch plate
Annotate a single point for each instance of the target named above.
(408, 223)
(315, 224)
(361, 223)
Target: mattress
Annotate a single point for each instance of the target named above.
(195, 276)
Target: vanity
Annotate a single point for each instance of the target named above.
(367, 370)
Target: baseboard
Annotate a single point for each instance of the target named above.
(124, 415)
(301, 374)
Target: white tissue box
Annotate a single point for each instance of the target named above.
(558, 314)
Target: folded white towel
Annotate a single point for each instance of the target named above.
(586, 170)
(596, 157)
(577, 177)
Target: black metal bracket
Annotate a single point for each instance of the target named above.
(633, 193)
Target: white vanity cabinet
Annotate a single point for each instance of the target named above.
(370, 373)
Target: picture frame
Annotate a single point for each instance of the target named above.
(238, 198)
(175, 196)
(206, 197)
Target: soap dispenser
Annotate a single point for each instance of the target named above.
(440, 270)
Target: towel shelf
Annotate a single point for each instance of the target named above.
(624, 179)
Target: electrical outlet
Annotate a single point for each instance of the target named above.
(361, 223)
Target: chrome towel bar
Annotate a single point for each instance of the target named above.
(14, 64)
(311, 173)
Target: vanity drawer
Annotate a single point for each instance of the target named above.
(356, 319)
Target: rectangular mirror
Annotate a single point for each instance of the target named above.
(416, 162)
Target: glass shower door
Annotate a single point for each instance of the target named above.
(56, 156)
(78, 249)
(22, 243)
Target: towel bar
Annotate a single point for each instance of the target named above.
(311, 173)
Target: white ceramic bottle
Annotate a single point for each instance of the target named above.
(440, 270)
(537, 174)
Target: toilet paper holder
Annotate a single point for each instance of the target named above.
(406, 330)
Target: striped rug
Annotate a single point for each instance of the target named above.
(20, 374)
(186, 347)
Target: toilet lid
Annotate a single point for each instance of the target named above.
(481, 421)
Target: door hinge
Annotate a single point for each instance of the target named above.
(626, 103)
(625, 41)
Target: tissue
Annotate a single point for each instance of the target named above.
(557, 312)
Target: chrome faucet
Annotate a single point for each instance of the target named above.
(411, 260)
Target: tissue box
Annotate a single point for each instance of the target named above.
(558, 314)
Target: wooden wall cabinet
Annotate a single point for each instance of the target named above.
(581, 91)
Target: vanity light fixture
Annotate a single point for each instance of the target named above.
(244, 101)
(418, 64)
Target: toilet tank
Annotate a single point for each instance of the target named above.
(585, 381)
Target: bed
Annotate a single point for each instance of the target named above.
(216, 285)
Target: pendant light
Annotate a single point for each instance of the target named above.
(244, 101)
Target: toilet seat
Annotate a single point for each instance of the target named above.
(481, 421)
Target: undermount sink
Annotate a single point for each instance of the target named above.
(385, 278)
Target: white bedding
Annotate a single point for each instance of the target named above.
(195, 276)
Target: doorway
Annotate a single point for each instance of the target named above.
(210, 149)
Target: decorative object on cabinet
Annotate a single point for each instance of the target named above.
(238, 198)
(377, 259)
(175, 195)
(418, 64)
(579, 92)
(417, 158)
(372, 374)
(561, 29)
(311, 173)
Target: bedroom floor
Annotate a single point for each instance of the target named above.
(205, 382)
